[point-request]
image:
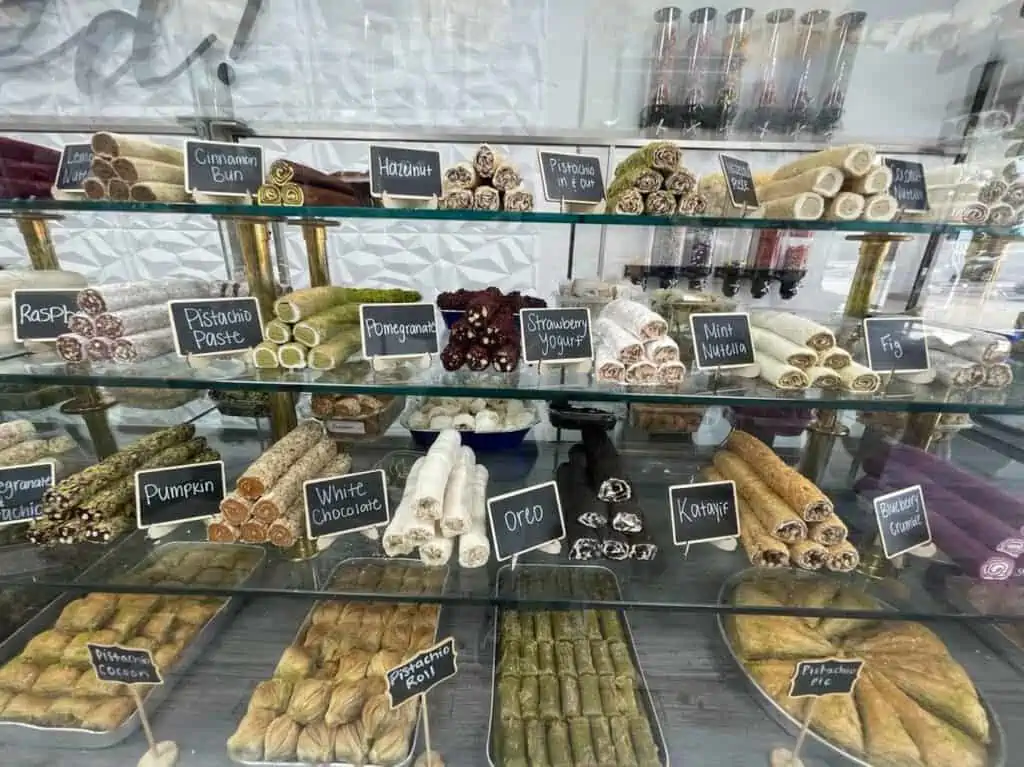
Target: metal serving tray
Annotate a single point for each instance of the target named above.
(644, 693)
(19, 733)
(414, 744)
(816, 744)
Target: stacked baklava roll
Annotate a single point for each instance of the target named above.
(132, 168)
(27, 171)
(978, 360)
(318, 328)
(291, 183)
(97, 504)
(488, 332)
(976, 193)
(490, 181)
(266, 505)
(633, 346)
(20, 444)
(443, 505)
(785, 519)
(653, 181)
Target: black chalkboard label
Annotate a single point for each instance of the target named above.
(346, 504)
(398, 330)
(908, 184)
(556, 335)
(524, 520)
(21, 491)
(721, 340)
(739, 181)
(204, 326)
(423, 672)
(902, 521)
(75, 165)
(126, 665)
(219, 167)
(896, 344)
(176, 494)
(702, 512)
(42, 315)
(571, 178)
(833, 676)
(402, 172)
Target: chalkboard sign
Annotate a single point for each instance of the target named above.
(721, 340)
(423, 672)
(402, 172)
(42, 315)
(705, 511)
(908, 184)
(75, 165)
(398, 330)
(346, 504)
(205, 326)
(816, 678)
(524, 520)
(178, 493)
(556, 335)
(219, 167)
(125, 665)
(739, 181)
(21, 491)
(902, 521)
(896, 344)
(571, 178)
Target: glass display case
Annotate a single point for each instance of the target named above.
(298, 298)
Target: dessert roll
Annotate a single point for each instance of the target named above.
(992, 191)
(854, 160)
(462, 175)
(808, 555)
(998, 375)
(642, 546)
(781, 375)
(512, 743)
(506, 177)
(824, 181)
(628, 202)
(636, 319)
(456, 199)
(824, 378)
(1001, 214)
(219, 530)
(670, 373)
(642, 373)
(661, 350)
(280, 739)
(775, 515)
(986, 348)
(235, 507)
(579, 739)
(486, 198)
(623, 345)
(681, 182)
(99, 349)
(518, 200)
(272, 695)
(269, 194)
(644, 180)
(762, 549)
(660, 203)
(81, 324)
(880, 207)
(584, 660)
(955, 371)
(391, 744)
(828, 531)
(117, 145)
(806, 206)
(842, 557)
(315, 744)
(846, 206)
(875, 181)
(309, 701)
(246, 743)
(662, 155)
(614, 544)
(799, 330)
(295, 664)
(143, 346)
(486, 161)
(72, 347)
(132, 321)
(274, 463)
(133, 170)
(858, 379)
(590, 695)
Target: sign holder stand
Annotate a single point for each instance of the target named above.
(543, 368)
(426, 722)
(783, 756)
(387, 364)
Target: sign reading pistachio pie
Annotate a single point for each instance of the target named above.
(21, 491)
(896, 345)
(703, 512)
(123, 665)
(398, 171)
(556, 336)
(398, 330)
(834, 676)
(902, 521)
(721, 340)
(205, 326)
(525, 520)
(424, 671)
(346, 504)
(217, 167)
(739, 181)
(571, 178)
(178, 493)
(74, 166)
(42, 315)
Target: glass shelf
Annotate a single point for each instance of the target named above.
(357, 378)
(47, 207)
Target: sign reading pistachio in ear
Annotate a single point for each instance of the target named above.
(74, 167)
(908, 184)
(703, 512)
(218, 167)
(21, 491)
(739, 181)
(833, 676)
(346, 503)
(902, 520)
(42, 315)
(571, 178)
(177, 494)
(124, 665)
(398, 171)
(423, 672)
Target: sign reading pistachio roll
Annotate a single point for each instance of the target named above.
(896, 345)
(423, 672)
(704, 512)
(902, 520)
(525, 520)
(42, 315)
(123, 665)
(556, 335)
(178, 493)
(206, 326)
(345, 504)
(21, 491)
(217, 167)
(571, 178)
(75, 162)
(398, 330)
(398, 171)
(908, 185)
(739, 180)
(833, 676)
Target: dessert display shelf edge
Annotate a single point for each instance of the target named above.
(40, 736)
(644, 691)
(416, 735)
(817, 745)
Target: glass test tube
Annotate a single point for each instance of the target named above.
(805, 65)
(843, 47)
(696, 69)
(735, 51)
(764, 107)
(664, 55)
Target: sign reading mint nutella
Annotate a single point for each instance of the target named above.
(556, 335)
(124, 665)
(721, 340)
(834, 676)
(902, 521)
(75, 164)
(204, 326)
(219, 167)
(177, 494)
(423, 672)
(21, 491)
(739, 181)
(42, 315)
(702, 512)
(571, 178)
(402, 172)
(398, 330)
(908, 184)
(346, 504)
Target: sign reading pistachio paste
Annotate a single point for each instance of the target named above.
(204, 326)
(402, 172)
(896, 344)
(218, 167)
(525, 520)
(422, 672)
(124, 665)
(178, 493)
(571, 178)
(556, 335)
(902, 520)
(42, 315)
(739, 180)
(721, 340)
(398, 330)
(705, 511)
(74, 167)
(816, 678)
(21, 491)
(346, 504)
(908, 184)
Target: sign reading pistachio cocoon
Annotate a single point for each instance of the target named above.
(423, 672)
(123, 665)
(345, 504)
(21, 491)
(817, 678)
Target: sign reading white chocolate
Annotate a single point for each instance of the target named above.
(704, 512)
(896, 344)
(739, 181)
(902, 521)
(218, 167)
(398, 330)
(398, 171)
(721, 340)
(123, 665)
(571, 178)
(21, 491)
(556, 335)
(205, 326)
(74, 167)
(908, 185)
(176, 494)
(42, 314)
(525, 520)
(347, 503)
(833, 676)
(423, 672)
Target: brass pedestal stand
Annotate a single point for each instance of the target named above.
(314, 233)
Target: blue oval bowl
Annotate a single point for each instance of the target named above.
(480, 441)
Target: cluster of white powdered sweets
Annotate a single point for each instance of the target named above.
(479, 414)
(445, 498)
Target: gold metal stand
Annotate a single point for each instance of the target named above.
(920, 429)
(824, 430)
(92, 406)
(35, 231)
(314, 232)
(874, 249)
(873, 562)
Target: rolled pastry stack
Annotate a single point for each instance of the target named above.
(978, 193)
(464, 414)
(785, 519)
(653, 181)
(19, 444)
(18, 279)
(978, 360)
(633, 347)
(97, 504)
(27, 171)
(132, 168)
(488, 181)
(293, 184)
(487, 335)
